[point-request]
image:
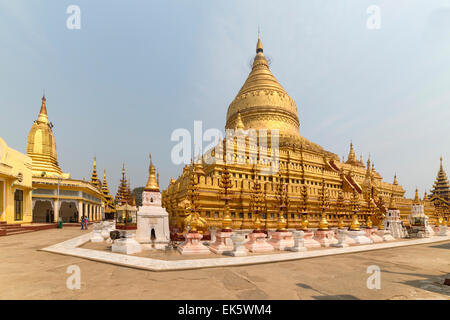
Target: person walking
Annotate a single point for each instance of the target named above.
(82, 222)
(86, 220)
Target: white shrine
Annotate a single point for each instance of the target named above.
(393, 223)
(418, 220)
(152, 219)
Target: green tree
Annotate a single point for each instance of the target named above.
(138, 195)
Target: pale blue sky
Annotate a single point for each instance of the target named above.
(137, 70)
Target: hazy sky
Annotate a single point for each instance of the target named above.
(137, 70)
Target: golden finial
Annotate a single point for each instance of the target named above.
(395, 180)
(259, 46)
(43, 117)
(416, 197)
(152, 182)
(441, 163)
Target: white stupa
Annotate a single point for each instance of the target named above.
(152, 219)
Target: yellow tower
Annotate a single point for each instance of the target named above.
(41, 147)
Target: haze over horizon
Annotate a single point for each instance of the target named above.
(136, 71)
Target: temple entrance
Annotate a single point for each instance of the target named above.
(43, 211)
(153, 235)
(68, 212)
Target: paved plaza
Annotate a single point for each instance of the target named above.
(412, 272)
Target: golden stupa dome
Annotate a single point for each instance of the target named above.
(41, 146)
(262, 103)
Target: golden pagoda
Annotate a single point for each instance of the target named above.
(123, 195)
(440, 194)
(263, 105)
(41, 147)
(94, 177)
(55, 195)
(110, 207)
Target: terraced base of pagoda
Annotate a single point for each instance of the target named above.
(161, 261)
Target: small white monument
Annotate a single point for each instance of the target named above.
(299, 242)
(418, 220)
(239, 249)
(152, 219)
(392, 223)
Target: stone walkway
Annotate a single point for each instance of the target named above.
(412, 272)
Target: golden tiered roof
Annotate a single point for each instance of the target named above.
(153, 181)
(441, 187)
(94, 177)
(109, 205)
(123, 194)
(351, 158)
(41, 147)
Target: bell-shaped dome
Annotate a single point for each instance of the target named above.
(41, 146)
(262, 103)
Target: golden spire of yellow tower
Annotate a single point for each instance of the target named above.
(43, 117)
(395, 180)
(152, 183)
(41, 146)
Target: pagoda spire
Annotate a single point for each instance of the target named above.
(109, 203)
(43, 117)
(351, 158)
(416, 198)
(259, 46)
(441, 187)
(94, 177)
(122, 196)
(152, 182)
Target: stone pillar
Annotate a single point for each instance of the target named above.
(56, 210)
(80, 210)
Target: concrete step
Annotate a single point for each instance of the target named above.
(11, 226)
(10, 233)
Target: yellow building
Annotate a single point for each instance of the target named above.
(316, 182)
(55, 195)
(15, 186)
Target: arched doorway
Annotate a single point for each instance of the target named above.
(153, 235)
(68, 211)
(43, 211)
